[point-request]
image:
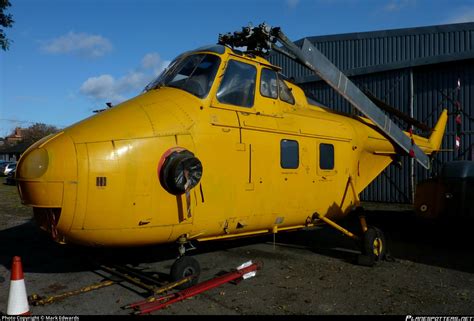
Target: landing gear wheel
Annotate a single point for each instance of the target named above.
(373, 244)
(183, 267)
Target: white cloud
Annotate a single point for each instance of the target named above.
(82, 44)
(151, 60)
(101, 87)
(108, 88)
(292, 3)
(465, 14)
(397, 5)
(162, 66)
(133, 81)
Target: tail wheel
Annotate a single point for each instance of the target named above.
(374, 244)
(183, 267)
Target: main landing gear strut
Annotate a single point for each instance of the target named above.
(179, 172)
(185, 266)
(372, 243)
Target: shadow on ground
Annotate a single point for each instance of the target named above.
(42, 255)
(445, 245)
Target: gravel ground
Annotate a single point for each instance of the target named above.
(307, 272)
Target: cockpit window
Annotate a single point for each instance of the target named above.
(238, 85)
(194, 74)
(285, 92)
(268, 83)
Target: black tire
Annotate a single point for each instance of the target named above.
(183, 267)
(374, 244)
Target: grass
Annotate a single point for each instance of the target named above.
(10, 204)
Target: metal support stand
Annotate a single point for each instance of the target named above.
(339, 228)
(363, 223)
(157, 303)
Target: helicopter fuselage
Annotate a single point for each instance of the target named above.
(271, 161)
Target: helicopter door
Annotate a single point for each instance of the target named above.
(237, 92)
(266, 106)
(222, 150)
(223, 106)
(237, 96)
(333, 176)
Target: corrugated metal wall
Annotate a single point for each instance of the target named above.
(361, 50)
(398, 53)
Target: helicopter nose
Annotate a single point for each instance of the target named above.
(44, 169)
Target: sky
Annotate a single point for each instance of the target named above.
(69, 57)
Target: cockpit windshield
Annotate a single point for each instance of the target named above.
(192, 73)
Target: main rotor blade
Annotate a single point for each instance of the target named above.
(393, 111)
(312, 58)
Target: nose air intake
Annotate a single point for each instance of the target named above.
(179, 170)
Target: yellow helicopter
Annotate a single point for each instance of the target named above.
(221, 145)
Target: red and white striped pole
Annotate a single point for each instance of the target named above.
(17, 298)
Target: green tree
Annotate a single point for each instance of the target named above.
(37, 131)
(6, 21)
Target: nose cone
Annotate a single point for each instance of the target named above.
(44, 169)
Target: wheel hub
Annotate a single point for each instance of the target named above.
(188, 271)
(377, 246)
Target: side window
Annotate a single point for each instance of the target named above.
(289, 153)
(238, 85)
(326, 156)
(285, 92)
(268, 83)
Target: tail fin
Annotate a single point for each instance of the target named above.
(436, 137)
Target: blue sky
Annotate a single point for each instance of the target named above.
(69, 57)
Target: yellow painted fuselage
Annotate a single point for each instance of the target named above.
(96, 183)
